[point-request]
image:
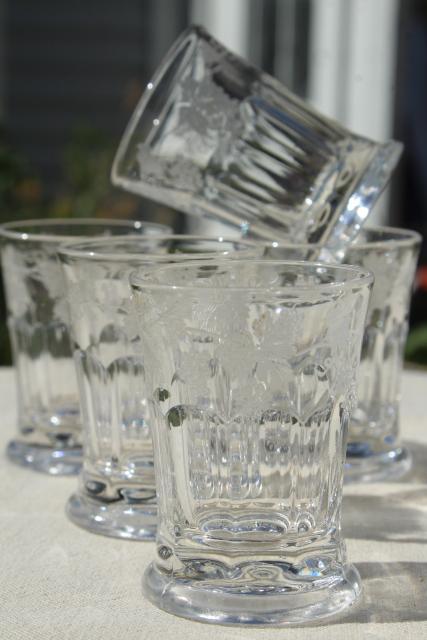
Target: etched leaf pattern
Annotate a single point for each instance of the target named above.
(258, 357)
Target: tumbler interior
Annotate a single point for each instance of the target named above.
(182, 247)
(276, 276)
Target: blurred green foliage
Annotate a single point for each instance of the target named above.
(85, 189)
(416, 346)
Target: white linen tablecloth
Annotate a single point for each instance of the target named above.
(59, 582)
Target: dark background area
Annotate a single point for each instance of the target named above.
(70, 77)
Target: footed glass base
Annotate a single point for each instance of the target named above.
(262, 603)
(115, 519)
(363, 465)
(55, 461)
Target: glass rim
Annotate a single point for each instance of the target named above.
(15, 230)
(398, 236)
(409, 238)
(360, 276)
(81, 249)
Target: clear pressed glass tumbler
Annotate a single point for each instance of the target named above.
(48, 405)
(250, 370)
(213, 135)
(374, 450)
(116, 494)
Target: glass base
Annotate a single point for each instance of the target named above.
(114, 519)
(55, 461)
(366, 466)
(245, 604)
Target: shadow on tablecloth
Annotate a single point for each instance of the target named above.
(418, 471)
(392, 592)
(398, 516)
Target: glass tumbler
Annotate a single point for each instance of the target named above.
(374, 451)
(48, 406)
(116, 494)
(213, 135)
(251, 371)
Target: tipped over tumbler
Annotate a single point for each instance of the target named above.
(213, 135)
